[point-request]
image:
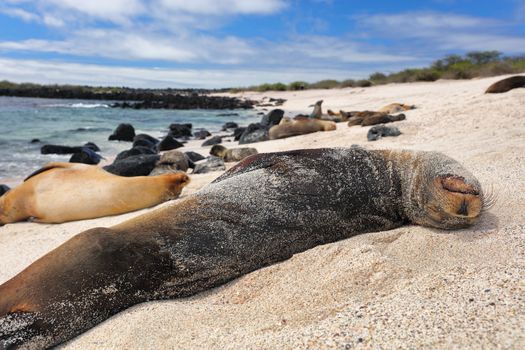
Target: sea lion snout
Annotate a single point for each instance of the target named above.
(460, 202)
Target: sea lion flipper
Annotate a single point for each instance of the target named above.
(251, 163)
(49, 166)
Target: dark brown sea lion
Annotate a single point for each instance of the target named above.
(506, 84)
(232, 154)
(368, 118)
(317, 113)
(299, 126)
(264, 210)
(61, 192)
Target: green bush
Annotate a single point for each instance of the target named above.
(377, 77)
(348, 83)
(363, 83)
(298, 85)
(325, 84)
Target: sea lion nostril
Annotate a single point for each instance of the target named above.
(463, 209)
(457, 184)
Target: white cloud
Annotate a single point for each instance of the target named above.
(224, 7)
(118, 11)
(19, 13)
(51, 72)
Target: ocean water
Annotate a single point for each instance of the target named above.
(75, 122)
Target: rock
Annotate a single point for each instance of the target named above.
(58, 149)
(86, 156)
(273, 117)
(146, 137)
(180, 130)
(144, 143)
(3, 189)
(92, 146)
(201, 134)
(376, 132)
(227, 114)
(170, 162)
(238, 132)
(169, 143)
(215, 140)
(137, 165)
(212, 164)
(123, 132)
(35, 141)
(135, 151)
(229, 125)
(254, 133)
(194, 156)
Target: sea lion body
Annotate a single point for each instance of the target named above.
(62, 192)
(300, 126)
(232, 154)
(395, 108)
(264, 210)
(506, 85)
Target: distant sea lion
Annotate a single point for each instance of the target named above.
(300, 126)
(233, 154)
(506, 84)
(367, 118)
(317, 113)
(262, 211)
(170, 162)
(396, 108)
(61, 192)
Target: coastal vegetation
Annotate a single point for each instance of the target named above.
(471, 65)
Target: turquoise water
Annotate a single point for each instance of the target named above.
(75, 122)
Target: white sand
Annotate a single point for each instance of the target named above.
(411, 287)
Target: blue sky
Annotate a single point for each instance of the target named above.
(222, 43)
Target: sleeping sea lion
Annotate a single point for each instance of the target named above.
(262, 211)
(506, 84)
(232, 154)
(299, 126)
(396, 108)
(61, 192)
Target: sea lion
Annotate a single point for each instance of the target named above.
(506, 84)
(317, 113)
(299, 126)
(170, 162)
(61, 192)
(367, 118)
(233, 154)
(396, 108)
(262, 211)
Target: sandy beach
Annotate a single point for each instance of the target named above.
(412, 287)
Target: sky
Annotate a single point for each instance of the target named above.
(233, 43)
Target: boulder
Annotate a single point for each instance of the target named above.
(123, 132)
(215, 140)
(137, 165)
(238, 132)
(272, 118)
(86, 156)
(3, 189)
(211, 164)
(194, 156)
(135, 151)
(169, 143)
(201, 134)
(229, 125)
(254, 133)
(376, 132)
(180, 130)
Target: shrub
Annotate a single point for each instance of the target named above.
(298, 85)
(325, 84)
(363, 83)
(348, 83)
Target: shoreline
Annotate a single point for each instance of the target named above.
(408, 287)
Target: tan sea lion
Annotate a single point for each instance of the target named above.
(233, 154)
(396, 108)
(61, 192)
(506, 85)
(300, 126)
(262, 211)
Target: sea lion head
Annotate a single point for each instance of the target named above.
(175, 183)
(218, 151)
(442, 193)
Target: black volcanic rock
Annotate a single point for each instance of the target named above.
(215, 140)
(3, 189)
(138, 165)
(254, 133)
(135, 151)
(273, 117)
(180, 130)
(86, 156)
(169, 143)
(123, 132)
(229, 125)
(201, 134)
(194, 156)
